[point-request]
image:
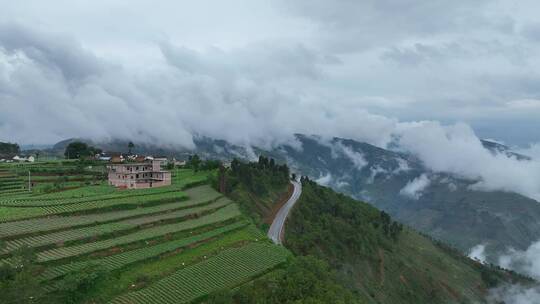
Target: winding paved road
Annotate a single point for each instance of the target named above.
(276, 229)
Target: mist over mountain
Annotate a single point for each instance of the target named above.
(428, 110)
(461, 208)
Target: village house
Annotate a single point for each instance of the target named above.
(138, 175)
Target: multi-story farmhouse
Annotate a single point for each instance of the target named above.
(138, 175)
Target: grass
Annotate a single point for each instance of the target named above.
(221, 215)
(196, 196)
(109, 228)
(230, 268)
(15, 213)
(142, 236)
(104, 191)
(120, 260)
(143, 274)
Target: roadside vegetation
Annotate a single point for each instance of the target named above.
(258, 187)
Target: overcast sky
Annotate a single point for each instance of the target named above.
(257, 71)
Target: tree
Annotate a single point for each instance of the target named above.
(78, 285)
(79, 149)
(130, 147)
(18, 282)
(8, 150)
(194, 162)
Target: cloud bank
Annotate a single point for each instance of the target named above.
(342, 73)
(457, 149)
(247, 96)
(478, 253)
(526, 262)
(413, 189)
(514, 294)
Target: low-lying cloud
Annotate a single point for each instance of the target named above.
(478, 253)
(255, 95)
(514, 294)
(414, 189)
(458, 150)
(52, 88)
(524, 261)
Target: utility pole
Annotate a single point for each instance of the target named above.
(29, 183)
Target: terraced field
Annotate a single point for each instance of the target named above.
(10, 183)
(94, 231)
(230, 268)
(17, 213)
(221, 215)
(195, 196)
(187, 240)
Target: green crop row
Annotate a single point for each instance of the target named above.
(120, 260)
(109, 192)
(31, 202)
(230, 268)
(93, 231)
(220, 215)
(17, 213)
(101, 192)
(197, 196)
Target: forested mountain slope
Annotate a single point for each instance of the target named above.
(370, 255)
(380, 261)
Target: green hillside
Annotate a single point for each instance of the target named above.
(380, 261)
(363, 252)
(183, 243)
(92, 243)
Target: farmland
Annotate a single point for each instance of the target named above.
(186, 237)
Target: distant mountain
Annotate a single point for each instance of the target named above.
(439, 204)
(496, 147)
(376, 259)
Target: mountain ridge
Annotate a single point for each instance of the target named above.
(447, 208)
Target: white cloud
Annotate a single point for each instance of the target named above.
(250, 95)
(532, 151)
(374, 171)
(324, 179)
(342, 184)
(478, 253)
(283, 75)
(528, 104)
(414, 188)
(456, 149)
(403, 166)
(526, 262)
(355, 157)
(514, 294)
